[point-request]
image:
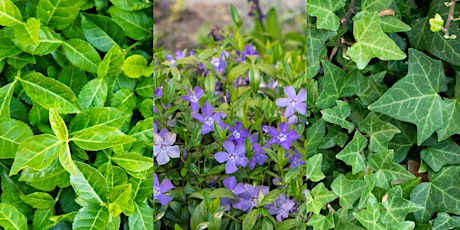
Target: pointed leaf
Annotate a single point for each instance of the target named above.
(443, 153)
(124, 99)
(338, 115)
(445, 221)
(396, 207)
(66, 161)
(73, 77)
(12, 134)
(318, 221)
(348, 191)
(9, 14)
(136, 24)
(133, 162)
(112, 63)
(314, 172)
(324, 11)
(131, 5)
(318, 198)
(370, 216)
(115, 176)
(58, 125)
(250, 219)
(48, 41)
(89, 184)
(120, 200)
(28, 32)
(351, 154)
(376, 5)
(388, 171)
(393, 24)
(47, 179)
(316, 48)
(57, 14)
(143, 130)
(450, 114)
(142, 218)
(101, 31)
(38, 200)
(100, 137)
(11, 218)
(94, 117)
(91, 217)
(380, 132)
(41, 218)
(81, 54)
(93, 94)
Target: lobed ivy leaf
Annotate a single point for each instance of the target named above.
(100, 137)
(387, 170)
(11, 218)
(338, 114)
(57, 14)
(315, 48)
(440, 154)
(370, 88)
(445, 221)
(12, 134)
(316, 133)
(133, 162)
(314, 172)
(450, 113)
(319, 221)
(391, 24)
(101, 32)
(81, 54)
(93, 94)
(348, 191)
(324, 11)
(89, 184)
(376, 5)
(142, 218)
(380, 132)
(352, 155)
(344, 220)
(9, 14)
(396, 207)
(91, 217)
(318, 198)
(370, 216)
(136, 24)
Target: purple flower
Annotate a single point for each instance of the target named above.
(284, 137)
(193, 98)
(296, 160)
(158, 91)
(159, 189)
(178, 55)
(259, 156)
(248, 50)
(281, 207)
(238, 134)
(208, 118)
(219, 63)
(250, 198)
(237, 189)
(235, 156)
(265, 129)
(163, 148)
(293, 102)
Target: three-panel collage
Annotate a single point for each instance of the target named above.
(229, 114)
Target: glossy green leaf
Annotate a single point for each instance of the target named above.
(49, 93)
(11, 218)
(347, 190)
(89, 184)
(370, 216)
(250, 219)
(136, 24)
(82, 55)
(112, 63)
(318, 198)
(120, 200)
(450, 113)
(370, 88)
(316, 133)
(48, 41)
(37, 152)
(73, 77)
(100, 137)
(27, 33)
(142, 218)
(376, 5)
(47, 179)
(93, 94)
(41, 218)
(352, 155)
(143, 130)
(58, 125)
(336, 84)
(133, 162)
(134, 66)
(114, 176)
(124, 99)
(421, 107)
(372, 41)
(388, 171)
(21, 60)
(380, 132)
(9, 14)
(11, 191)
(343, 220)
(38, 200)
(324, 11)
(57, 14)
(96, 117)
(318, 221)
(101, 31)
(445, 221)
(66, 161)
(145, 87)
(142, 187)
(440, 154)
(237, 71)
(314, 172)
(131, 5)
(91, 217)
(396, 207)
(12, 134)
(338, 115)
(7, 47)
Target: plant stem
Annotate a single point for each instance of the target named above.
(450, 17)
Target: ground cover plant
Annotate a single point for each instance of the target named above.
(76, 120)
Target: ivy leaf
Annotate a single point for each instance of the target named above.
(314, 172)
(338, 115)
(38, 200)
(371, 41)
(142, 218)
(12, 134)
(9, 14)
(101, 31)
(348, 191)
(82, 55)
(10, 217)
(58, 125)
(96, 117)
(89, 184)
(396, 207)
(100, 137)
(380, 132)
(92, 216)
(343, 220)
(318, 221)
(351, 154)
(136, 24)
(392, 24)
(440, 154)
(27, 33)
(133, 162)
(402, 100)
(316, 49)
(445, 221)
(315, 137)
(403, 142)
(370, 216)
(57, 15)
(324, 11)
(49, 93)
(93, 94)
(376, 5)
(318, 198)
(440, 194)
(112, 63)
(366, 193)
(388, 171)
(134, 66)
(450, 113)
(370, 88)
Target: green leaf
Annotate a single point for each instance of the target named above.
(338, 115)
(314, 172)
(58, 125)
(235, 16)
(133, 162)
(445, 221)
(391, 24)
(57, 14)
(38, 200)
(136, 24)
(388, 171)
(450, 113)
(47, 179)
(142, 218)
(10, 217)
(12, 134)
(134, 66)
(9, 14)
(37, 152)
(143, 130)
(237, 71)
(396, 207)
(48, 41)
(376, 5)
(348, 191)
(324, 11)
(250, 219)
(91, 217)
(82, 55)
(93, 94)
(336, 84)
(351, 154)
(101, 31)
(370, 216)
(343, 221)
(318, 198)
(417, 91)
(100, 137)
(66, 161)
(316, 49)
(316, 133)
(270, 197)
(318, 221)
(112, 63)
(27, 33)
(89, 184)
(49, 93)
(380, 132)
(96, 117)
(41, 218)
(222, 192)
(124, 99)
(73, 77)
(370, 88)
(120, 200)
(142, 187)
(131, 5)
(440, 194)
(440, 154)
(372, 41)
(7, 47)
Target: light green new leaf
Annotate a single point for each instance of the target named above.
(37, 152)
(27, 33)
(57, 14)
(124, 99)
(396, 207)
(324, 11)
(12, 134)
(318, 198)
(11, 218)
(6, 93)
(82, 55)
(318, 221)
(142, 187)
(49, 93)
(440, 194)
(48, 41)
(391, 24)
(91, 217)
(93, 94)
(100, 137)
(134, 66)
(65, 158)
(142, 218)
(89, 184)
(38, 200)
(314, 172)
(130, 5)
(143, 130)
(136, 24)
(440, 154)
(112, 63)
(58, 125)
(338, 115)
(376, 5)
(336, 84)
(370, 216)
(415, 98)
(95, 117)
(445, 221)
(101, 31)
(47, 179)
(348, 191)
(114, 176)
(450, 114)
(380, 132)
(120, 200)
(316, 49)
(371, 41)
(388, 171)
(351, 154)
(133, 162)
(9, 14)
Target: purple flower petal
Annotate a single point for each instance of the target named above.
(162, 158)
(173, 151)
(292, 135)
(221, 157)
(230, 167)
(199, 117)
(198, 91)
(284, 127)
(165, 186)
(282, 102)
(207, 109)
(170, 138)
(301, 108)
(302, 96)
(164, 199)
(290, 92)
(289, 111)
(229, 182)
(229, 146)
(240, 149)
